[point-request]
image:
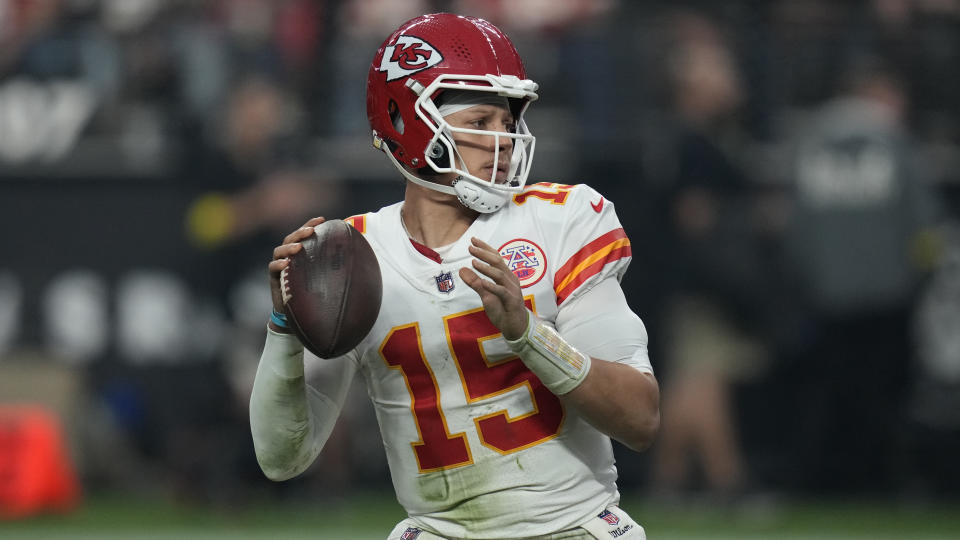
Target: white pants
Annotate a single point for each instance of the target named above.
(612, 523)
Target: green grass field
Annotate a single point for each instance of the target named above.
(372, 516)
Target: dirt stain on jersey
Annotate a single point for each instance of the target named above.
(475, 493)
(434, 486)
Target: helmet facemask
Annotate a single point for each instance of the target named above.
(442, 155)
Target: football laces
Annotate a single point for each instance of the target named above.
(285, 286)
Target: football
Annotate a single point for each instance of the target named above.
(332, 289)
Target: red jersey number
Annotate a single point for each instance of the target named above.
(437, 448)
(547, 191)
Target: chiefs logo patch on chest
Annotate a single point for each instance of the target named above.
(525, 259)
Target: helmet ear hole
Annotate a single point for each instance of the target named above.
(440, 156)
(395, 118)
(437, 150)
(438, 153)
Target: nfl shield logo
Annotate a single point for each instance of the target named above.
(444, 282)
(609, 517)
(410, 534)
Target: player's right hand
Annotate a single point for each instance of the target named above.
(281, 258)
(501, 294)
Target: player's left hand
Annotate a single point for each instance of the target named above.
(502, 297)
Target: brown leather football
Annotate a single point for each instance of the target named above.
(332, 289)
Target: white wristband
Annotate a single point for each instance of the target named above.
(555, 362)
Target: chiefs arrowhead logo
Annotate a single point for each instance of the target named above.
(407, 56)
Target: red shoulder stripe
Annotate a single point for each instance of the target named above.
(589, 261)
(359, 222)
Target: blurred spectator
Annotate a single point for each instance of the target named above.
(252, 178)
(710, 267)
(253, 170)
(249, 177)
(933, 403)
(861, 204)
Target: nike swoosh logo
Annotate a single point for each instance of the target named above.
(597, 206)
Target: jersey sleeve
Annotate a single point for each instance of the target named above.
(294, 405)
(603, 311)
(593, 246)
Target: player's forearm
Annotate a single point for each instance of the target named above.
(283, 431)
(620, 401)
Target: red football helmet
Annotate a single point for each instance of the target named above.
(423, 58)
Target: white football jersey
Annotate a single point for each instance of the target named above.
(477, 446)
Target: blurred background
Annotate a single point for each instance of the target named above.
(788, 172)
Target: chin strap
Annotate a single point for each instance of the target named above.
(475, 197)
(478, 197)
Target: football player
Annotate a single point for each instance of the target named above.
(504, 356)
